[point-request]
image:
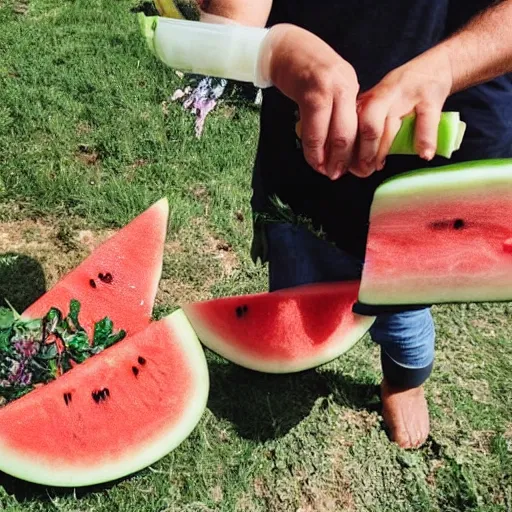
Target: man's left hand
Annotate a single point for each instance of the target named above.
(420, 86)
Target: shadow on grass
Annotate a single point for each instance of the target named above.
(260, 406)
(266, 406)
(22, 280)
(26, 491)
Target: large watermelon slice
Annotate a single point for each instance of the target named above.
(441, 235)
(283, 331)
(119, 279)
(114, 414)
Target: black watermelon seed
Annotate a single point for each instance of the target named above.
(100, 395)
(92, 283)
(135, 371)
(106, 278)
(66, 398)
(241, 310)
(141, 360)
(458, 224)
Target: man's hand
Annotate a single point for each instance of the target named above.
(421, 86)
(480, 51)
(325, 87)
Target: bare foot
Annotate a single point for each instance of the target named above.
(405, 413)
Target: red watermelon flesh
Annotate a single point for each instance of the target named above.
(119, 279)
(442, 235)
(284, 331)
(112, 415)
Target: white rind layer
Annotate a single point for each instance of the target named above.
(456, 178)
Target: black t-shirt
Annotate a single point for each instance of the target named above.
(375, 37)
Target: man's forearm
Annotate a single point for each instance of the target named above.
(482, 50)
(244, 12)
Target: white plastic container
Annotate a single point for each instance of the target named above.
(228, 51)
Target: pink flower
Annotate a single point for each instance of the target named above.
(19, 375)
(26, 347)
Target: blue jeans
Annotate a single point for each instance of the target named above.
(407, 338)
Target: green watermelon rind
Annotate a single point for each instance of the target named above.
(59, 475)
(435, 179)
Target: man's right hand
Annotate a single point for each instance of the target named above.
(313, 75)
(325, 87)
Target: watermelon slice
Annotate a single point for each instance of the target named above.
(441, 235)
(114, 414)
(283, 331)
(119, 279)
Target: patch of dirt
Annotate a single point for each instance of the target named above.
(199, 192)
(175, 293)
(20, 7)
(479, 389)
(508, 432)
(87, 155)
(42, 241)
(83, 128)
(259, 488)
(198, 260)
(319, 488)
(223, 252)
(326, 494)
(362, 419)
(223, 436)
(338, 496)
(245, 504)
(216, 494)
(131, 170)
(434, 466)
(177, 286)
(90, 239)
(141, 162)
(165, 108)
(480, 441)
(228, 111)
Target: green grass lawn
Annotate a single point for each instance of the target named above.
(88, 139)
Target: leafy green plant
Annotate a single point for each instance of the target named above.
(34, 352)
(282, 212)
